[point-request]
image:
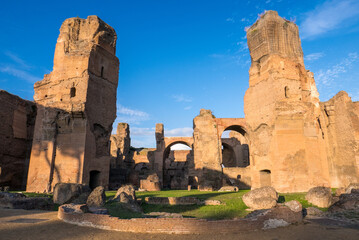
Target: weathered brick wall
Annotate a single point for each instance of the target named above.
(17, 117)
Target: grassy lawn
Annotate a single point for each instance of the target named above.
(233, 208)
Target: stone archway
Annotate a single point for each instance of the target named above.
(235, 146)
(176, 165)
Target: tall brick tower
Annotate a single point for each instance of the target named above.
(282, 109)
(76, 108)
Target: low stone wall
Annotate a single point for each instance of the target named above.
(180, 225)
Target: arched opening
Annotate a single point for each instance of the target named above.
(94, 179)
(229, 158)
(235, 149)
(177, 160)
(265, 178)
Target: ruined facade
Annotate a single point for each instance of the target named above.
(282, 110)
(288, 139)
(17, 117)
(76, 108)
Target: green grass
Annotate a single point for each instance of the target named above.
(234, 206)
(300, 197)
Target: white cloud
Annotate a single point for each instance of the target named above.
(180, 146)
(136, 131)
(179, 132)
(19, 69)
(313, 56)
(17, 60)
(230, 20)
(182, 98)
(328, 16)
(130, 116)
(327, 76)
(19, 73)
(187, 108)
(145, 137)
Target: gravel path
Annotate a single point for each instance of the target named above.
(22, 224)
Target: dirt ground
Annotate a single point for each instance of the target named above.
(23, 224)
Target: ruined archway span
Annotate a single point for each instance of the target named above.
(170, 141)
(236, 128)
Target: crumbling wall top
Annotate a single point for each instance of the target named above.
(78, 33)
(272, 34)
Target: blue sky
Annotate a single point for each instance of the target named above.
(182, 55)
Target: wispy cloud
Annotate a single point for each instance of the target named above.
(326, 79)
(179, 132)
(17, 67)
(17, 60)
(314, 56)
(230, 20)
(327, 76)
(234, 56)
(182, 98)
(19, 73)
(328, 16)
(187, 108)
(137, 131)
(130, 116)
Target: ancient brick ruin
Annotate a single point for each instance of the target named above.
(16, 133)
(288, 139)
(76, 108)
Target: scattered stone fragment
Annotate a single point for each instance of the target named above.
(76, 208)
(351, 187)
(71, 193)
(277, 216)
(152, 183)
(346, 202)
(126, 196)
(20, 201)
(228, 189)
(128, 190)
(261, 198)
(313, 211)
(97, 197)
(320, 196)
(294, 205)
(274, 223)
(211, 202)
